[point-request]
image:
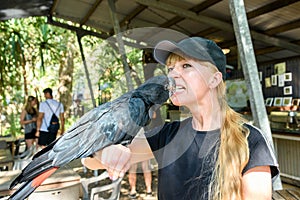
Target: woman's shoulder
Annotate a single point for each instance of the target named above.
(24, 111)
(50, 102)
(255, 134)
(261, 150)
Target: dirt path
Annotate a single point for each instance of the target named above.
(141, 189)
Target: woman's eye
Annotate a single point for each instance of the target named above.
(170, 69)
(186, 65)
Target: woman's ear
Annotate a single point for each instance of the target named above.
(215, 80)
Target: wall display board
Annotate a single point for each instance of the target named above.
(281, 80)
(237, 95)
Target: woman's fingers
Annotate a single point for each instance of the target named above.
(116, 159)
(91, 163)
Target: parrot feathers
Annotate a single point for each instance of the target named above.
(114, 122)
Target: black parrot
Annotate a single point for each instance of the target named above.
(110, 123)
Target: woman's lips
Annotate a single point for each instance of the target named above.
(179, 89)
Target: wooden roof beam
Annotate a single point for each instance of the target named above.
(77, 29)
(133, 14)
(53, 8)
(90, 12)
(225, 26)
(271, 32)
(129, 17)
(206, 4)
(251, 14)
(261, 51)
(206, 32)
(283, 28)
(198, 8)
(269, 7)
(278, 60)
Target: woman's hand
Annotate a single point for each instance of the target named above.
(115, 159)
(37, 133)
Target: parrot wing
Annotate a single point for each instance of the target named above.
(110, 123)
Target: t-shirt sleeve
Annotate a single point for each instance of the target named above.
(42, 108)
(156, 137)
(261, 152)
(159, 136)
(61, 108)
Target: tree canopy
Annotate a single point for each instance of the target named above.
(35, 55)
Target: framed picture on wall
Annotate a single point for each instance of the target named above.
(268, 82)
(280, 68)
(281, 80)
(296, 102)
(287, 90)
(287, 101)
(274, 80)
(277, 101)
(269, 101)
(288, 76)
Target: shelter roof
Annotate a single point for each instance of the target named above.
(274, 24)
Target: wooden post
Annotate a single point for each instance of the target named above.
(120, 43)
(246, 52)
(85, 68)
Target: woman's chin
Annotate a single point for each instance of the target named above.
(175, 101)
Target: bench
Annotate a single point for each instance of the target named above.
(289, 193)
(6, 177)
(6, 159)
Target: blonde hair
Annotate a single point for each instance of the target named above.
(28, 107)
(233, 152)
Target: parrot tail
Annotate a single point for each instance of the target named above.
(28, 187)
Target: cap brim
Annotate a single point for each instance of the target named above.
(163, 49)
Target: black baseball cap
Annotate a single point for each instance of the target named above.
(194, 47)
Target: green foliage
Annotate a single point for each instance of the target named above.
(11, 43)
(12, 116)
(33, 54)
(70, 121)
(106, 63)
(14, 129)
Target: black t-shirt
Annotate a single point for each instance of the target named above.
(186, 162)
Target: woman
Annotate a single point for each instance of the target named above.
(214, 154)
(28, 120)
(132, 178)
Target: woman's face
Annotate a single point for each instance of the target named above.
(192, 81)
(33, 102)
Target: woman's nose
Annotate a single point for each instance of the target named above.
(175, 73)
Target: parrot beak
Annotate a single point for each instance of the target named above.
(171, 86)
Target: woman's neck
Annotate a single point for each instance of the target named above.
(206, 117)
(201, 123)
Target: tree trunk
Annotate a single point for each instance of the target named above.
(66, 70)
